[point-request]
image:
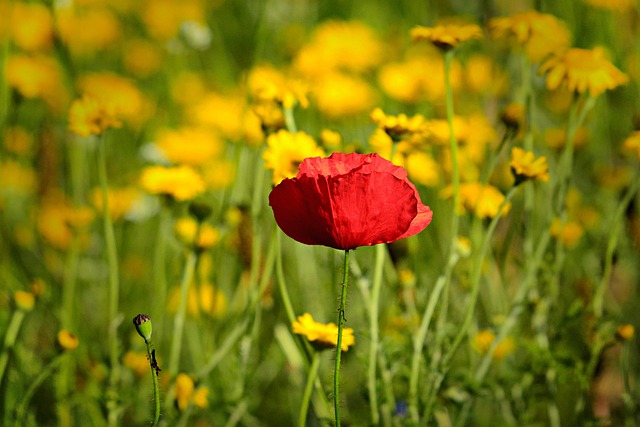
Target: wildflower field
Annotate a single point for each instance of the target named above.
(319, 212)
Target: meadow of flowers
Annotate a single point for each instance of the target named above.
(202, 201)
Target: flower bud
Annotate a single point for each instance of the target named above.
(24, 300)
(67, 340)
(200, 211)
(142, 323)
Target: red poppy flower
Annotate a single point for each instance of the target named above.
(348, 200)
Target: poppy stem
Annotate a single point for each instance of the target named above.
(341, 321)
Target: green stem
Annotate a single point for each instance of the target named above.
(374, 331)
(159, 258)
(341, 321)
(282, 286)
(617, 221)
(178, 325)
(518, 306)
(156, 387)
(576, 118)
(114, 286)
(421, 335)
(44, 374)
(10, 340)
(453, 146)
(306, 397)
(475, 277)
(289, 120)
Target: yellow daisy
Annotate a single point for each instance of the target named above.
(88, 116)
(181, 182)
(582, 70)
(540, 34)
(398, 127)
(525, 166)
(322, 335)
(286, 150)
(67, 340)
(446, 37)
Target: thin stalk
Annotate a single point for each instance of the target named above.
(178, 325)
(453, 146)
(518, 306)
(10, 339)
(159, 257)
(306, 397)
(576, 118)
(156, 387)
(26, 398)
(282, 286)
(289, 120)
(617, 221)
(421, 335)
(341, 321)
(114, 286)
(475, 277)
(374, 311)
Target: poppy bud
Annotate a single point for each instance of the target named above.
(142, 323)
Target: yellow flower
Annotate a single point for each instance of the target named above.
(18, 141)
(206, 299)
(162, 18)
(270, 115)
(219, 173)
(37, 77)
(267, 84)
(58, 220)
(186, 229)
(142, 58)
(184, 390)
(446, 37)
(540, 34)
(525, 166)
(482, 75)
(339, 95)
(330, 138)
(421, 75)
(31, 26)
(582, 70)
(513, 116)
(24, 300)
(626, 332)
(87, 116)
(73, 23)
(118, 94)
(17, 178)
(568, 233)
(67, 340)
(121, 200)
(200, 397)
(323, 335)
(192, 146)
(179, 182)
(614, 5)
(339, 46)
(285, 151)
(631, 145)
(137, 362)
(423, 169)
(483, 200)
(187, 394)
(484, 339)
(399, 127)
